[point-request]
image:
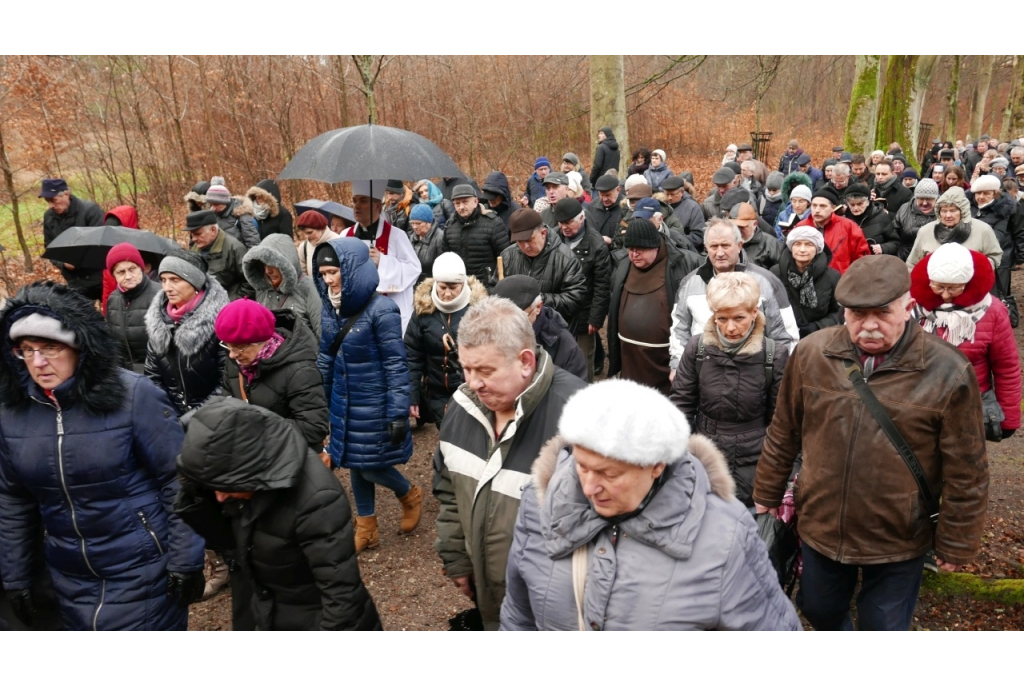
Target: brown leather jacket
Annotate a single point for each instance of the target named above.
(856, 500)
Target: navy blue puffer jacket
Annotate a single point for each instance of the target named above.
(367, 381)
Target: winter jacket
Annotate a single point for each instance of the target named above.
(225, 258)
(769, 209)
(907, 222)
(562, 283)
(478, 478)
(895, 195)
(844, 239)
(196, 198)
(93, 467)
(787, 163)
(79, 213)
(367, 382)
(288, 383)
(763, 249)
(595, 261)
(728, 400)
(126, 316)
(656, 176)
(185, 359)
(296, 292)
(237, 220)
(857, 502)
(441, 206)
(692, 560)
(825, 278)
(126, 217)
(981, 239)
(534, 188)
(278, 219)
(671, 227)
(306, 249)
(876, 225)
(427, 248)
(787, 220)
(606, 156)
(1001, 215)
(429, 358)
(479, 240)
(691, 219)
(604, 220)
(553, 335)
(398, 214)
(293, 539)
(497, 182)
(677, 266)
(712, 205)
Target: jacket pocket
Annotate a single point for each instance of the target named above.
(150, 532)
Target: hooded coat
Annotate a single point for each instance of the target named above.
(479, 239)
(93, 467)
(497, 182)
(1000, 214)
(691, 560)
(239, 221)
(126, 316)
(296, 292)
(367, 382)
(127, 217)
(293, 539)
(185, 358)
(278, 219)
(563, 286)
(981, 239)
(825, 279)
(606, 156)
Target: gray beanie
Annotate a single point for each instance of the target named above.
(774, 180)
(186, 265)
(926, 188)
(37, 325)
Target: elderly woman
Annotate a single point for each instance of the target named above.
(426, 237)
(796, 190)
(810, 282)
(129, 302)
(728, 378)
(431, 196)
(955, 225)
(366, 383)
(431, 341)
(951, 287)
(88, 459)
(630, 523)
(313, 227)
(275, 273)
(658, 171)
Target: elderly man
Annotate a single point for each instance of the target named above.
(496, 424)
(844, 238)
(390, 249)
(745, 153)
(864, 504)
(840, 178)
(539, 252)
(556, 187)
(913, 215)
(803, 163)
(725, 179)
(690, 315)
(874, 222)
(605, 209)
(235, 215)
(761, 248)
(476, 234)
(224, 254)
(685, 209)
(65, 210)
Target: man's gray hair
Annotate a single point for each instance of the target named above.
(497, 321)
(748, 164)
(719, 225)
(1018, 149)
(840, 170)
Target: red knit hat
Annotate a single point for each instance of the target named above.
(123, 252)
(311, 219)
(244, 321)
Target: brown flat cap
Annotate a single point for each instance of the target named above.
(639, 191)
(524, 222)
(873, 281)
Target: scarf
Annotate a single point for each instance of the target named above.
(803, 283)
(959, 323)
(460, 301)
(885, 186)
(260, 210)
(729, 347)
(178, 313)
(335, 299)
(958, 234)
(267, 352)
(434, 195)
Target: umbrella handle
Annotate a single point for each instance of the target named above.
(501, 269)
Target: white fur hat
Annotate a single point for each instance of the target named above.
(625, 421)
(985, 182)
(801, 191)
(373, 189)
(449, 268)
(951, 263)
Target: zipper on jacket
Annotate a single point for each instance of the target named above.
(67, 493)
(103, 597)
(145, 524)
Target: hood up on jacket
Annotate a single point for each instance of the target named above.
(977, 288)
(194, 330)
(278, 251)
(609, 139)
(198, 193)
(423, 303)
(267, 193)
(359, 277)
(125, 214)
(497, 182)
(797, 178)
(96, 385)
(240, 206)
(233, 446)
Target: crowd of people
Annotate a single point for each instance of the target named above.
(628, 381)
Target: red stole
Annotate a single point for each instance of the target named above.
(381, 242)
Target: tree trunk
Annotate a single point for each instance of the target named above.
(981, 95)
(922, 79)
(608, 102)
(893, 121)
(953, 99)
(5, 167)
(178, 115)
(1013, 115)
(210, 140)
(860, 120)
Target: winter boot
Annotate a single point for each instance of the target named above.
(366, 533)
(216, 574)
(411, 509)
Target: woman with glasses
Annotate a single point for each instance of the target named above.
(129, 302)
(88, 456)
(955, 225)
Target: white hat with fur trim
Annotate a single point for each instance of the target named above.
(625, 421)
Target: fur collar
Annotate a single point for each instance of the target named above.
(258, 194)
(754, 344)
(195, 197)
(423, 303)
(194, 330)
(243, 206)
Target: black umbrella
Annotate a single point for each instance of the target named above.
(86, 247)
(327, 208)
(360, 153)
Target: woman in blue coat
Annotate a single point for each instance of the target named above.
(366, 380)
(87, 453)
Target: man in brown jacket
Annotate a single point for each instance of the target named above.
(858, 504)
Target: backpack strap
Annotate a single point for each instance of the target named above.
(769, 362)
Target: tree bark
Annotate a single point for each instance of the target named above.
(1012, 114)
(860, 119)
(893, 121)
(922, 79)
(981, 95)
(5, 167)
(953, 99)
(608, 102)
(178, 115)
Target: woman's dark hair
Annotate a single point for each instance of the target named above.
(642, 152)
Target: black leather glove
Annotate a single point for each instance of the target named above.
(397, 430)
(1008, 433)
(21, 604)
(186, 588)
(993, 433)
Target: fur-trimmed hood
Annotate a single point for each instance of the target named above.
(977, 288)
(97, 385)
(797, 178)
(194, 330)
(258, 194)
(279, 251)
(240, 206)
(423, 303)
(754, 344)
(198, 193)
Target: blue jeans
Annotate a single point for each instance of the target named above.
(364, 491)
(886, 600)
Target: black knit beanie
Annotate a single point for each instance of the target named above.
(643, 234)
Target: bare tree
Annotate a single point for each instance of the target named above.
(980, 95)
(953, 98)
(369, 68)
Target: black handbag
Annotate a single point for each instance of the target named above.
(783, 547)
(1011, 306)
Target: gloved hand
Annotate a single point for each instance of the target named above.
(186, 588)
(397, 430)
(21, 604)
(993, 433)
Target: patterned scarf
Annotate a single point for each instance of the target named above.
(178, 313)
(267, 352)
(803, 283)
(954, 324)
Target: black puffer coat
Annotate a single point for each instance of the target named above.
(289, 383)
(428, 248)
(279, 220)
(827, 312)
(604, 220)
(906, 223)
(876, 224)
(554, 336)
(1001, 216)
(606, 156)
(126, 316)
(596, 262)
(185, 358)
(294, 539)
(562, 284)
(479, 240)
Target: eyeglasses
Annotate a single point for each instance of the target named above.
(953, 290)
(237, 349)
(46, 351)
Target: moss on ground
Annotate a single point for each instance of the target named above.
(1009, 591)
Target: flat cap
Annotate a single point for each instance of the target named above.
(837, 148)
(639, 191)
(736, 168)
(522, 290)
(672, 183)
(556, 178)
(803, 159)
(734, 196)
(523, 223)
(463, 190)
(566, 209)
(873, 281)
(723, 176)
(606, 182)
(197, 220)
(744, 147)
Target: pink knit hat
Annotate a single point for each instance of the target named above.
(124, 252)
(243, 322)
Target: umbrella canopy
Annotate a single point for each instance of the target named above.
(327, 208)
(86, 247)
(363, 152)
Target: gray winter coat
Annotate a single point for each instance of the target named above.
(296, 292)
(691, 560)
